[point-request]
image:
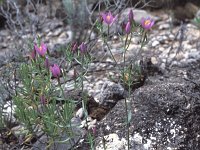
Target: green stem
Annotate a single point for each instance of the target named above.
(91, 141)
(110, 51)
(128, 134)
(126, 106)
(83, 97)
(124, 58)
(108, 29)
(126, 41)
(63, 93)
(143, 39)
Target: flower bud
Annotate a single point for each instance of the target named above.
(128, 27)
(130, 15)
(83, 47)
(55, 70)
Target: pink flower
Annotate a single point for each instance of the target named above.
(128, 27)
(55, 70)
(83, 47)
(130, 15)
(108, 18)
(41, 50)
(147, 23)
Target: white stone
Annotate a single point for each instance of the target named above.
(80, 113)
(164, 26)
(155, 43)
(112, 143)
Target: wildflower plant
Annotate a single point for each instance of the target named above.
(37, 98)
(41, 99)
(129, 73)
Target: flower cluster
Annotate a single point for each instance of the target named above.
(41, 51)
(146, 23)
(55, 69)
(41, 71)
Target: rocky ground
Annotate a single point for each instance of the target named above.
(164, 110)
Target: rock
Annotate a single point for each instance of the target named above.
(194, 55)
(164, 26)
(56, 32)
(155, 43)
(170, 104)
(154, 60)
(8, 114)
(80, 113)
(111, 93)
(88, 123)
(189, 12)
(112, 142)
(52, 25)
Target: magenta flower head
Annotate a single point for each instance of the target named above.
(55, 70)
(108, 18)
(128, 28)
(83, 47)
(130, 15)
(147, 23)
(41, 50)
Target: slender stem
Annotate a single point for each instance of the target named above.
(91, 141)
(59, 84)
(143, 39)
(126, 106)
(83, 97)
(104, 143)
(124, 58)
(126, 40)
(108, 29)
(128, 134)
(110, 51)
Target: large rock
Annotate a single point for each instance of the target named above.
(168, 110)
(190, 10)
